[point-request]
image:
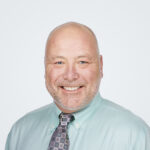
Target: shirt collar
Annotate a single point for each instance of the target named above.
(82, 115)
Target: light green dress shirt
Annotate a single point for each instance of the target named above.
(102, 125)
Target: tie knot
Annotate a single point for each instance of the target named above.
(65, 118)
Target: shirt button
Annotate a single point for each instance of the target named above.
(77, 125)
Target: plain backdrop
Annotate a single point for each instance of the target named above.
(123, 31)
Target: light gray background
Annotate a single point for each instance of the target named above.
(122, 28)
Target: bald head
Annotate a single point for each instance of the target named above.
(71, 29)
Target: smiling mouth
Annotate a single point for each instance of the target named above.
(75, 88)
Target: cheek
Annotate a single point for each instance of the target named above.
(90, 75)
(52, 74)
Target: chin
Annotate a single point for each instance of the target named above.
(72, 107)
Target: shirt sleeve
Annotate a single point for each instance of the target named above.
(8, 145)
(141, 140)
(11, 142)
(133, 134)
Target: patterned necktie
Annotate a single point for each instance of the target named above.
(60, 139)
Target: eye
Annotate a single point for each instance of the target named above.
(83, 62)
(59, 62)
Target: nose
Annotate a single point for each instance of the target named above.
(71, 73)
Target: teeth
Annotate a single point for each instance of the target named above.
(71, 88)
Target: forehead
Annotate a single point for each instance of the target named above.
(71, 41)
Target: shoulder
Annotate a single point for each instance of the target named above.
(34, 117)
(26, 126)
(122, 119)
(125, 126)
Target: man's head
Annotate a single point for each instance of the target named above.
(73, 66)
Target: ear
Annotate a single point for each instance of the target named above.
(101, 65)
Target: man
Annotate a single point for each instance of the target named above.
(79, 118)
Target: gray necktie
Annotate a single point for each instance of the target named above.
(60, 139)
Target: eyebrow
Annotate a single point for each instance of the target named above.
(84, 56)
(55, 57)
(78, 57)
